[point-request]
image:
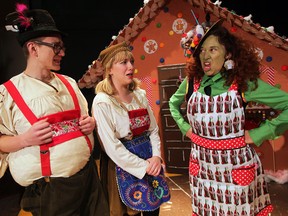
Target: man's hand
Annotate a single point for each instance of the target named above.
(87, 124)
(40, 133)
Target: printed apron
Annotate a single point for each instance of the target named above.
(226, 176)
(149, 193)
(65, 125)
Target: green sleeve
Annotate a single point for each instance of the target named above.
(175, 102)
(276, 99)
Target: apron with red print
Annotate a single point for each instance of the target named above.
(226, 176)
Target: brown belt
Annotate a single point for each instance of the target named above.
(42, 180)
(46, 179)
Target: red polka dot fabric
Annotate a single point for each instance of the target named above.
(219, 144)
(194, 167)
(244, 175)
(266, 211)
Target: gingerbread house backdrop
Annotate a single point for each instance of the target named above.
(154, 34)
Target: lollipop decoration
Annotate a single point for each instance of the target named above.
(191, 39)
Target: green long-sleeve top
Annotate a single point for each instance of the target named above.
(264, 94)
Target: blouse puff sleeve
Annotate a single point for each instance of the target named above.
(4, 121)
(104, 113)
(175, 102)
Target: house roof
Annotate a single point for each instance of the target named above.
(151, 9)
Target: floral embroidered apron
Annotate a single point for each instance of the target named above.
(226, 176)
(65, 125)
(149, 193)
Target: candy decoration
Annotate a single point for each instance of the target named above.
(147, 81)
(260, 53)
(284, 67)
(270, 73)
(233, 29)
(179, 25)
(191, 39)
(268, 58)
(150, 46)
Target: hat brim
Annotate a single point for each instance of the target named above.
(26, 36)
(207, 33)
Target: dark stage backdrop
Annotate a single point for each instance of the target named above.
(89, 25)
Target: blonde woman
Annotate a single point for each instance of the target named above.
(129, 134)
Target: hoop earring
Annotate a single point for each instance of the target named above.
(229, 64)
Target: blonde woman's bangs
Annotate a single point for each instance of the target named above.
(121, 56)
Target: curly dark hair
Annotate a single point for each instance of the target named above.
(243, 53)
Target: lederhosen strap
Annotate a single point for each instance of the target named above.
(76, 102)
(30, 116)
(70, 89)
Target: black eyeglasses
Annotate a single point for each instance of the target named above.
(55, 46)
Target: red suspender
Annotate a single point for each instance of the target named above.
(70, 89)
(13, 91)
(44, 149)
(76, 102)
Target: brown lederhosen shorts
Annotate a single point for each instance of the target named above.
(80, 194)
